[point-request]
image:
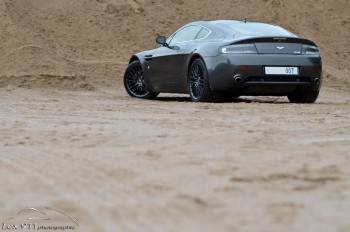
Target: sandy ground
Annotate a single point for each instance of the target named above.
(71, 139)
(122, 164)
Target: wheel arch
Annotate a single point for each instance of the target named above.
(198, 56)
(139, 57)
(207, 95)
(133, 58)
(193, 58)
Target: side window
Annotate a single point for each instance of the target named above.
(186, 34)
(202, 34)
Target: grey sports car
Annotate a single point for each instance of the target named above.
(210, 59)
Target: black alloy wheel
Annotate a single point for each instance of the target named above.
(303, 96)
(198, 83)
(134, 82)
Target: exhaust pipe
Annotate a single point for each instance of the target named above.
(317, 81)
(238, 79)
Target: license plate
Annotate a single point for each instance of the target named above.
(282, 70)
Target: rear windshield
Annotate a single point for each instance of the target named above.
(259, 29)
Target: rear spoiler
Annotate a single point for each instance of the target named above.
(274, 40)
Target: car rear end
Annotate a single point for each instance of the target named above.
(267, 66)
(264, 59)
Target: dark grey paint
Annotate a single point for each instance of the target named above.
(165, 69)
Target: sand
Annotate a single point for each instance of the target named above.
(72, 139)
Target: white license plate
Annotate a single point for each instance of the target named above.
(282, 70)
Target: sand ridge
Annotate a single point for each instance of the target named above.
(55, 32)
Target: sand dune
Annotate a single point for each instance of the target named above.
(111, 30)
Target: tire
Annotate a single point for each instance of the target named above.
(303, 97)
(134, 82)
(198, 83)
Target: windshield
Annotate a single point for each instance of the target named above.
(259, 29)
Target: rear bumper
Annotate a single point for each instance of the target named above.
(223, 69)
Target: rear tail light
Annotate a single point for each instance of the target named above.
(242, 67)
(239, 49)
(310, 50)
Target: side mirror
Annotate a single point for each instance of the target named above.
(161, 40)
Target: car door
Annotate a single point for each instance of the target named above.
(169, 62)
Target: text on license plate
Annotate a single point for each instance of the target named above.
(282, 70)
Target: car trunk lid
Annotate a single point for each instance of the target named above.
(272, 45)
(278, 48)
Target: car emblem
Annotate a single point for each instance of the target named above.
(280, 48)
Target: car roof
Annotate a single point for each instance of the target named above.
(212, 24)
(227, 27)
(225, 22)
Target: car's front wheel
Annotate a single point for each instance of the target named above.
(198, 83)
(303, 97)
(134, 82)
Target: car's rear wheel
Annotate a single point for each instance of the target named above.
(134, 82)
(198, 83)
(303, 96)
